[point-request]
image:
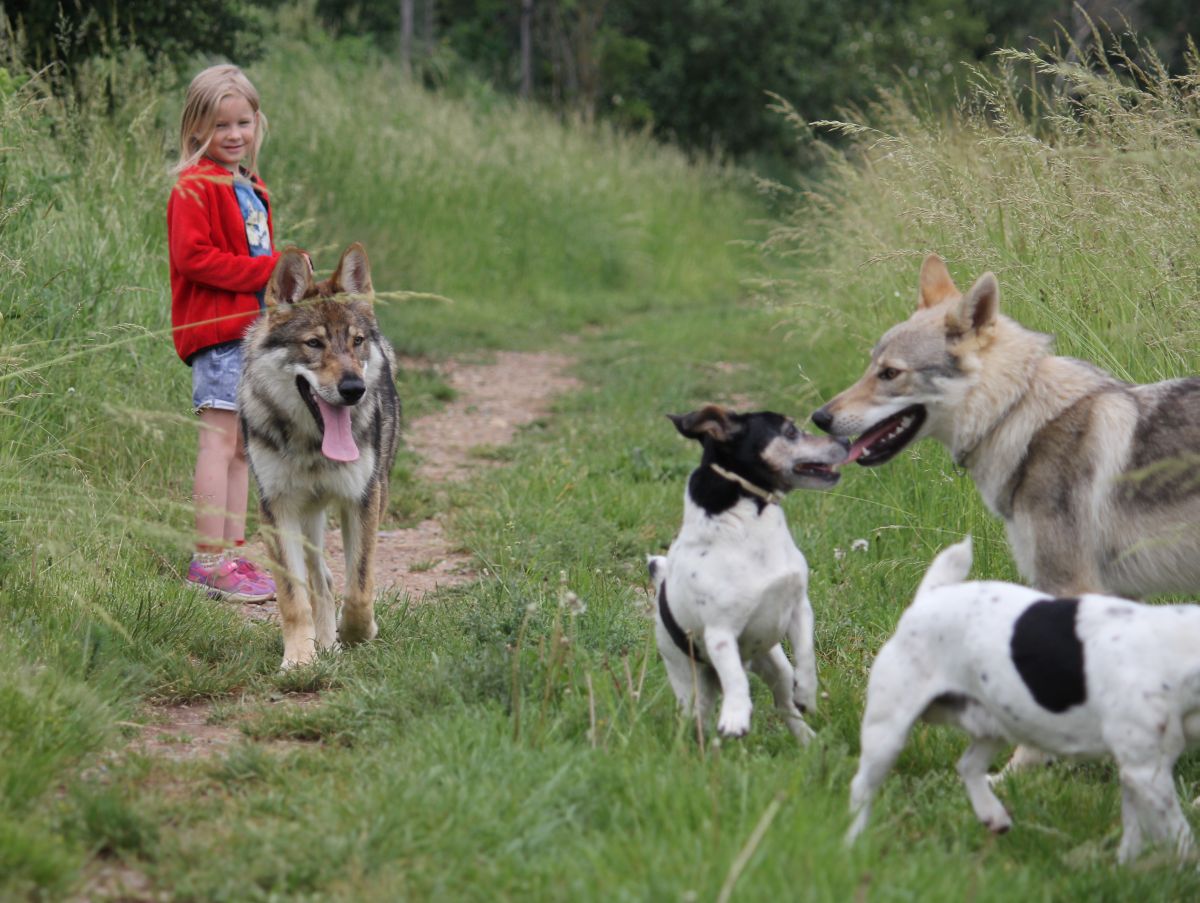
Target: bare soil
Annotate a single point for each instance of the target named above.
(492, 402)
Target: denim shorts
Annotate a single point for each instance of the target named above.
(215, 373)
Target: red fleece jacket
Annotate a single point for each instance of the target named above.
(214, 280)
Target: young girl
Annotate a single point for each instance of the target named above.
(219, 233)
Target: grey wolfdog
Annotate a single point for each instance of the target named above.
(1097, 480)
(320, 416)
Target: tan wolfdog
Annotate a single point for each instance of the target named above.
(320, 415)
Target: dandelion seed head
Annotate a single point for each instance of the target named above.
(574, 604)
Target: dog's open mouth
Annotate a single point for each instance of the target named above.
(337, 436)
(885, 439)
(824, 474)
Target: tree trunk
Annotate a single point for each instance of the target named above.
(526, 49)
(430, 23)
(406, 35)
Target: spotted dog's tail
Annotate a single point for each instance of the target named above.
(950, 566)
(657, 566)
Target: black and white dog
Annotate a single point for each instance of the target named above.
(733, 584)
(1086, 676)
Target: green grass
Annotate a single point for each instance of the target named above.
(492, 743)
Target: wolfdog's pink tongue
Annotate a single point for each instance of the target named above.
(338, 444)
(863, 442)
(855, 451)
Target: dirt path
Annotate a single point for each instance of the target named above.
(492, 402)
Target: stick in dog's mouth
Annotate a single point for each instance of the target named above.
(886, 438)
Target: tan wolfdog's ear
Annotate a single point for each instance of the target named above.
(712, 421)
(353, 273)
(291, 280)
(979, 306)
(936, 285)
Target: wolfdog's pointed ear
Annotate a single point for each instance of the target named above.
(979, 306)
(712, 421)
(353, 273)
(935, 285)
(291, 280)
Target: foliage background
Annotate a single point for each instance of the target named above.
(694, 72)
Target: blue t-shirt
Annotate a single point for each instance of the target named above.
(254, 212)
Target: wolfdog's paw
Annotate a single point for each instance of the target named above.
(296, 660)
(352, 631)
(298, 650)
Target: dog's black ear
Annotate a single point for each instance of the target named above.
(353, 274)
(936, 285)
(712, 421)
(979, 306)
(291, 280)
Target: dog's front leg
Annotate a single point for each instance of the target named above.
(320, 581)
(777, 671)
(972, 768)
(800, 634)
(360, 526)
(285, 543)
(726, 658)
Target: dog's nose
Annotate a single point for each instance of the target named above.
(843, 442)
(823, 419)
(352, 388)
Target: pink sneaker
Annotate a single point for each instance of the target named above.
(249, 569)
(224, 581)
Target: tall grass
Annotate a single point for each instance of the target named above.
(1074, 184)
(494, 204)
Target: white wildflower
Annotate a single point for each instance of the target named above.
(573, 603)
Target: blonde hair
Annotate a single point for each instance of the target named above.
(199, 120)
